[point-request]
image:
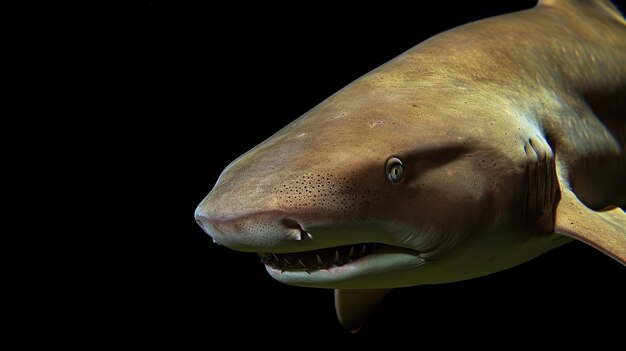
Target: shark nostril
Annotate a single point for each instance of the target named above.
(298, 233)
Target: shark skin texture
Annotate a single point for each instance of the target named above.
(473, 152)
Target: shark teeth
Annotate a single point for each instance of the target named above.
(317, 259)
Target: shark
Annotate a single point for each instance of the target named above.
(475, 151)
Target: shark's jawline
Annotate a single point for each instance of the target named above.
(318, 259)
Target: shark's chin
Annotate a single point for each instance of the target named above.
(369, 271)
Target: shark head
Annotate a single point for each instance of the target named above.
(356, 194)
(452, 161)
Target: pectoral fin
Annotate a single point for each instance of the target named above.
(604, 230)
(354, 306)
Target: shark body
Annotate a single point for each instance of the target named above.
(475, 151)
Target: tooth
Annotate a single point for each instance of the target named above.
(351, 253)
(215, 242)
(336, 258)
(319, 260)
(276, 258)
(301, 263)
(289, 263)
(363, 250)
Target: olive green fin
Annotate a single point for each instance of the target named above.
(354, 306)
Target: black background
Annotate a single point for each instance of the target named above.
(253, 69)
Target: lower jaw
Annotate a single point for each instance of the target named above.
(371, 271)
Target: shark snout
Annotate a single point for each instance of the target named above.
(252, 231)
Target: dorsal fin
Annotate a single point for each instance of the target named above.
(605, 6)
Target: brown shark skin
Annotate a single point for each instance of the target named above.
(519, 116)
(465, 111)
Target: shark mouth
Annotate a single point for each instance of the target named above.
(317, 259)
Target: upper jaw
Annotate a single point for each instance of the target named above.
(325, 258)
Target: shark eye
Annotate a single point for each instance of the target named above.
(395, 170)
